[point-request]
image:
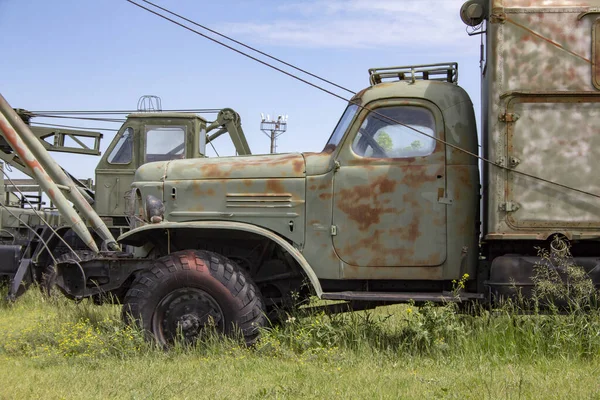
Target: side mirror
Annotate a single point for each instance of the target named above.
(473, 12)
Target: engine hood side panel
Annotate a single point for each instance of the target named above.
(277, 204)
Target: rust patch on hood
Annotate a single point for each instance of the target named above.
(275, 186)
(240, 167)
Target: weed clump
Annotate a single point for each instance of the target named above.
(426, 330)
(560, 284)
(561, 319)
(66, 329)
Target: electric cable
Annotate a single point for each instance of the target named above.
(40, 216)
(213, 146)
(116, 112)
(375, 112)
(12, 296)
(72, 126)
(44, 243)
(251, 48)
(49, 226)
(82, 118)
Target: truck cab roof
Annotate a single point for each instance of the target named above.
(443, 94)
(147, 115)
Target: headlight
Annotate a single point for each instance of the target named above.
(134, 209)
(155, 209)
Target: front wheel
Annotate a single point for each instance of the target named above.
(186, 292)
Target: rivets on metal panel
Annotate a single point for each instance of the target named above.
(509, 206)
(513, 162)
(508, 117)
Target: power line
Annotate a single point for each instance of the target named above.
(240, 52)
(26, 199)
(375, 112)
(82, 118)
(75, 127)
(250, 47)
(213, 146)
(116, 112)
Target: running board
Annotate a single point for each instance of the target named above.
(402, 297)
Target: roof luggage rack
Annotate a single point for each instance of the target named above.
(445, 72)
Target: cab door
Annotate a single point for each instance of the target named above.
(388, 202)
(115, 172)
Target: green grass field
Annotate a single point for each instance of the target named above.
(57, 349)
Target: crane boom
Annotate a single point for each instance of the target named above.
(53, 180)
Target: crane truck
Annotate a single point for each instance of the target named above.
(33, 236)
(389, 211)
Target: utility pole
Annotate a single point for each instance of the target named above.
(273, 128)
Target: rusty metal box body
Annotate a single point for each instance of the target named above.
(541, 114)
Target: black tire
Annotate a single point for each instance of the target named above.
(182, 292)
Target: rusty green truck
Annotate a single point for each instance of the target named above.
(27, 221)
(389, 211)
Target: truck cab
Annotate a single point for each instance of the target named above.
(390, 199)
(144, 137)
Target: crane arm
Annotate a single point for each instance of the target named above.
(229, 121)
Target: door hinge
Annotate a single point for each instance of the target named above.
(333, 230)
(508, 117)
(509, 206)
(498, 16)
(336, 165)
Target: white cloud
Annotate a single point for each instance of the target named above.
(418, 25)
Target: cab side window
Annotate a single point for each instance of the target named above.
(122, 153)
(396, 132)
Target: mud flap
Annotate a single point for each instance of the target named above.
(16, 287)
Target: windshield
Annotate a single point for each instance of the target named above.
(164, 143)
(341, 128)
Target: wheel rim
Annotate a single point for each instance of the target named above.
(186, 313)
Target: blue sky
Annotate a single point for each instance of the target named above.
(105, 54)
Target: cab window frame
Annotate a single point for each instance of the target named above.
(181, 154)
(117, 147)
(432, 142)
(596, 53)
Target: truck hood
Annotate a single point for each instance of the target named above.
(240, 167)
(291, 165)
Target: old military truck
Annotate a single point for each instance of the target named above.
(144, 137)
(389, 210)
(149, 137)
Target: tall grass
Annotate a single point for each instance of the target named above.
(37, 326)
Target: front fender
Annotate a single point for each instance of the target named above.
(137, 237)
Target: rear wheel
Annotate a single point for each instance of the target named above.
(189, 291)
